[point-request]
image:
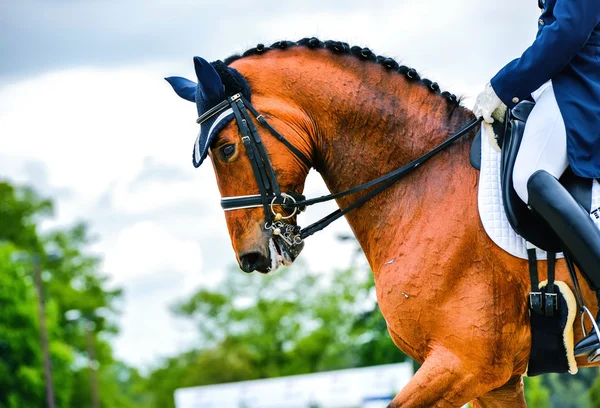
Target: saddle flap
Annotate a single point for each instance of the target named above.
(475, 155)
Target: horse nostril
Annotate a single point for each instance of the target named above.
(254, 261)
(249, 262)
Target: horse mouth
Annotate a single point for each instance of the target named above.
(282, 253)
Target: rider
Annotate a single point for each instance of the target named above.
(561, 72)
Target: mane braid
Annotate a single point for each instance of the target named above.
(364, 54)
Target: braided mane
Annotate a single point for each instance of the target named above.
(364, 54)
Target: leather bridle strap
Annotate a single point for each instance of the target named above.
(387, 180)
(261, 119)
(230, 203)
(267, 181)
(269, 190)
(398, 173)
(255, 151)
(264, 158)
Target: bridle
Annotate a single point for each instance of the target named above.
(270, 194)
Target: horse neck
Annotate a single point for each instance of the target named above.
(369, 133)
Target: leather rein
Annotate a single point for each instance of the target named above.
(270, 194)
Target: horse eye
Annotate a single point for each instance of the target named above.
(228, 151)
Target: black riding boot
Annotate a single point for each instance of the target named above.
(579, 236)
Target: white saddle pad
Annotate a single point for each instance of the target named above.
(491, 209)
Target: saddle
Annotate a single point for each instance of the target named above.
(552, 304)
(509, 136)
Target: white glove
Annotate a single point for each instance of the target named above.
(487, 102)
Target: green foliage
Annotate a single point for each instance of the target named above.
(20, 357)
(71, 282)
(21, 369)
(536, 394)
(572, 391)
(20, 209)
(595, 392)
(120, 387)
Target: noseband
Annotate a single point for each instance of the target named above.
(270, 195)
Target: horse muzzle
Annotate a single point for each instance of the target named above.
(279, 251)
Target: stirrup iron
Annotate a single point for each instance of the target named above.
(594, 355)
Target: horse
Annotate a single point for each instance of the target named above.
(453, 301)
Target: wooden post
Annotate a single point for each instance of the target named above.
(93, 364)
(37, 275)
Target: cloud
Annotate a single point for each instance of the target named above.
(146, 249)
(92, 128)
(155, 268)
(37, 36)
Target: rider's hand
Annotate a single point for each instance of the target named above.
(487, 102)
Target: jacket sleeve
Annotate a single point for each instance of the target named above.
(550, 53)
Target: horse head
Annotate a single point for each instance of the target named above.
(257, 243)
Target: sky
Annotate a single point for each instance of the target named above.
(87, 120)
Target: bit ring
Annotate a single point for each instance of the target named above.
(285, 197)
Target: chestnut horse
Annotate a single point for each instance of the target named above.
(452, 299)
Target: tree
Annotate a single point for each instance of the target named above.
(72, 282)
(21, 375)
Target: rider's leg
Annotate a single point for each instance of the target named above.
(572, 224)
(576, 230)
(544, 144)
(541, 161)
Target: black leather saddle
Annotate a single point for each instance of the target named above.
(522, 220)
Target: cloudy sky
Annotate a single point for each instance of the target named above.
(87, 119)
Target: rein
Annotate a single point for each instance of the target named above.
(270, 193)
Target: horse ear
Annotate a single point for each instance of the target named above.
(211, 86)
(185, 88)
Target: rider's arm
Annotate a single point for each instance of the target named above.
(553, 49)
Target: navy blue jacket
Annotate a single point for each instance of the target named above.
(567, 51)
